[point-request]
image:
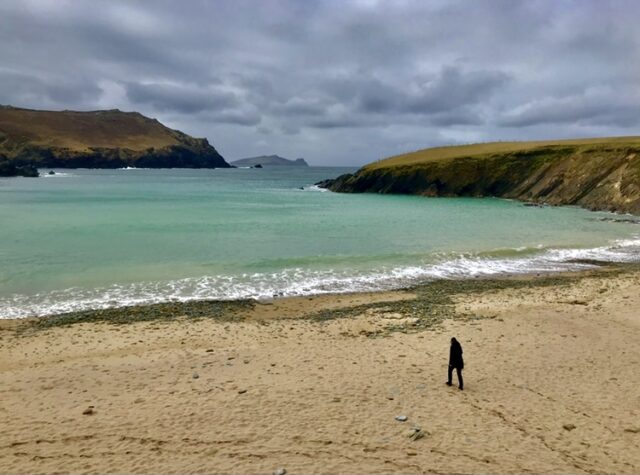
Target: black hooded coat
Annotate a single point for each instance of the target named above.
(455, 355)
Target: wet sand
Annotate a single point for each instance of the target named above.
(313, 385)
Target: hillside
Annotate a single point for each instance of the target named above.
(598, 173)
(99, 139)
(269, 161)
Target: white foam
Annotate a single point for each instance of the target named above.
(57, 175)
(299, 281)
(315, 188)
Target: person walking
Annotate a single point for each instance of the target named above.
(455, 361)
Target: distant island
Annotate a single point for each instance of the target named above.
(269, 161)
(598, 173)
(98, 139)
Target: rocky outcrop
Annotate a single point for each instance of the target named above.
(595, 176)
(99, 139)
(196, 155)
(8, 169)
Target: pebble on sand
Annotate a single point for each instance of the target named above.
(416, 433)
(280, 471)
(401, 418)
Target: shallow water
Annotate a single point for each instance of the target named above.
(100, 238)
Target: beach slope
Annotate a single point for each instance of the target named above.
(314, 384)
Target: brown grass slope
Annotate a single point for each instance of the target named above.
(599, 173)
(108, 138)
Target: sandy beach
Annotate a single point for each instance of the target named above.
(313, 385)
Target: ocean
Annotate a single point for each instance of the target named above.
(85, 239)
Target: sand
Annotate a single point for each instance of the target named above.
(551, 386)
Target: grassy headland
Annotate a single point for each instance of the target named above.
(98, 139)
(597, 173)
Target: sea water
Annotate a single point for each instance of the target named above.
(84, 239)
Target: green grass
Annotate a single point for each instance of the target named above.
(219, 310)
(492, 148)
(81, 131)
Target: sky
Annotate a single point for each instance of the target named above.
(338, 82)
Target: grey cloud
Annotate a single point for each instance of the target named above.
(374, 96)
(237, 117)
(334, 122)
(180, 98)
(33, 91)
(599, 107)
(453, 88)
(377, 78)
(457, 117)
(308, 106)
(445, 92)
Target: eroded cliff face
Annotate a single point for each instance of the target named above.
(194, 155)
(9, 169)
(594, 177)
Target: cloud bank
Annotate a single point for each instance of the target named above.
(340, 83)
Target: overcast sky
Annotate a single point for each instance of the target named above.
(336, 82)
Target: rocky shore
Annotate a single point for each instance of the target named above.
(196, 154)
(9, 169)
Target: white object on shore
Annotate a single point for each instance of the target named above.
(401, 418)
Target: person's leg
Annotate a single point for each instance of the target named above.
(450, 374)
(460, 383)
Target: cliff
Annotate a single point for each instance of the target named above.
(598, 174)
(9, 169)
(270, 161)
(99, 139)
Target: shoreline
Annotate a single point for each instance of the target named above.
(235, 309)
(27, 301)
(313, 384)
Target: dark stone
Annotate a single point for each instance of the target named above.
(8, 169)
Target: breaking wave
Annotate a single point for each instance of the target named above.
(299, 281)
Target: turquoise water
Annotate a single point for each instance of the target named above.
(99, 238)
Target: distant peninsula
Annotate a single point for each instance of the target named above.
(98, 139)
(269, 161)
(596, 173)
